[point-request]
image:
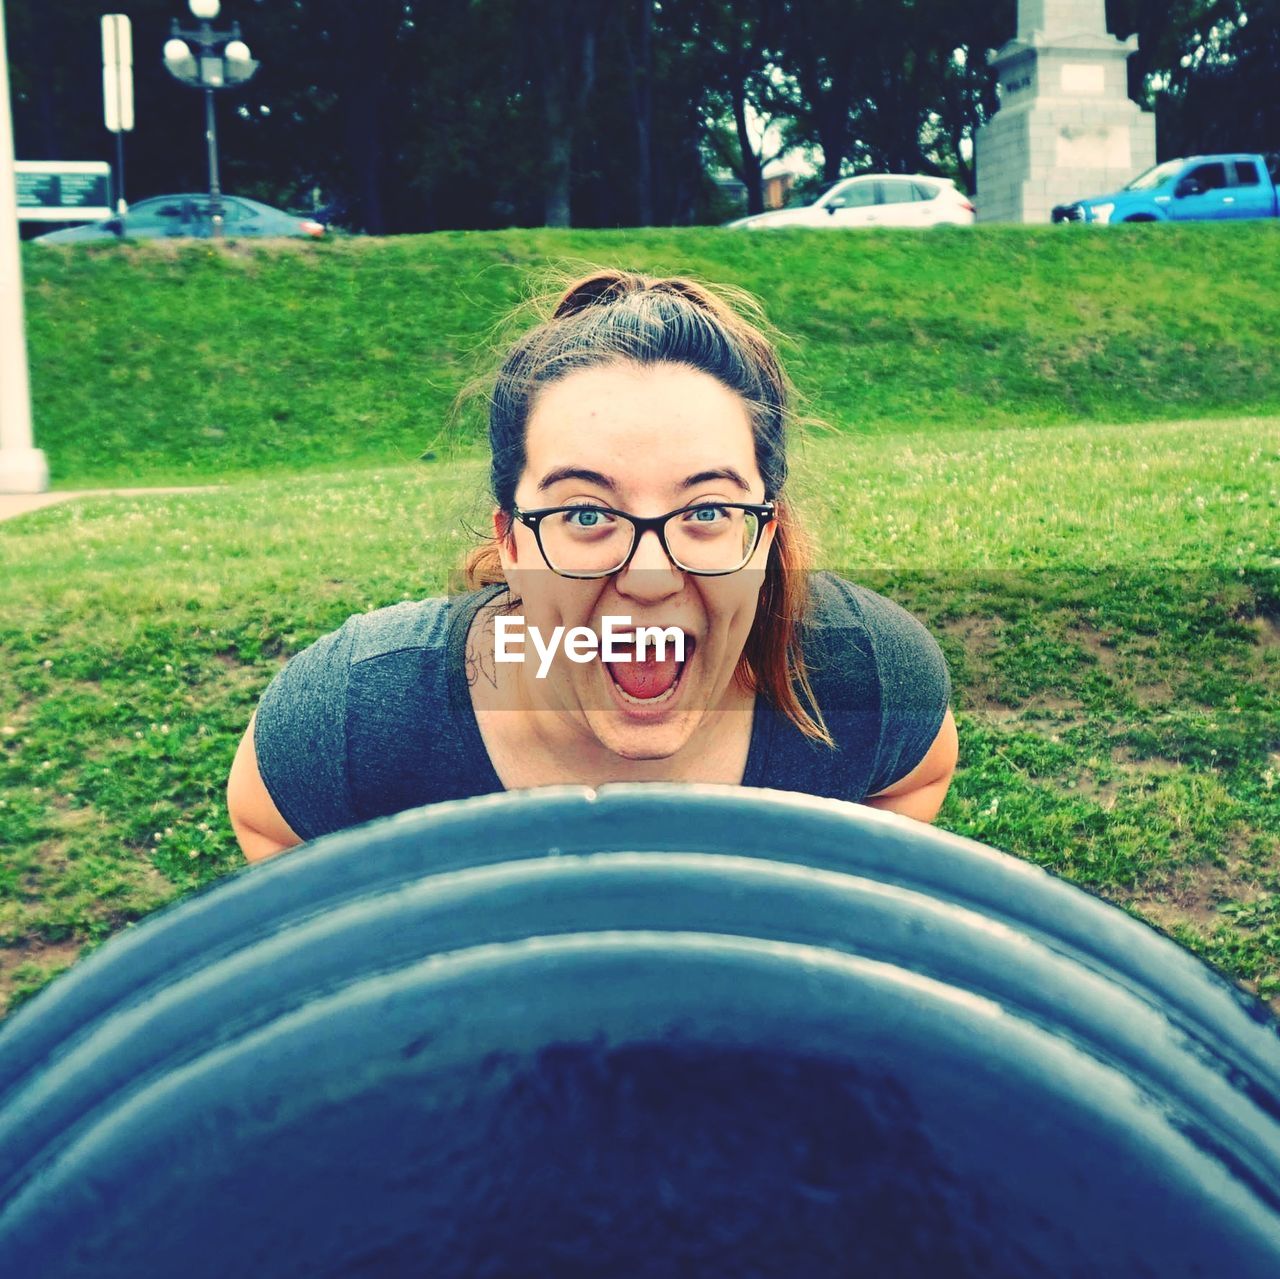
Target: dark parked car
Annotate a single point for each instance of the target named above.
(165, 216)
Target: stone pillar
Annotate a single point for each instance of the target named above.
(23, 468)
(1066, 126)
(1056, 17)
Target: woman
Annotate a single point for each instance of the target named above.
(638, 475)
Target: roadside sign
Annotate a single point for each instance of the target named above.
(63, 190)
(117, 72)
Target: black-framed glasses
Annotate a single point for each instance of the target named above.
(710, 539)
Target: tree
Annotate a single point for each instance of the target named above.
(635, 30)
(1166, 30)
(422, 114)
(559, 39)
(731, 42)
(1209, 67)
(821, 47)
(965, 84)
(898, 87)
(55, 55)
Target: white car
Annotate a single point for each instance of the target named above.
(876, 199)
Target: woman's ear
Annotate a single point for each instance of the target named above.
(767, 534)
(504, 534)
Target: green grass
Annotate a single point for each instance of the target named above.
(1109, 599)
(199, 363)
(1108, 594)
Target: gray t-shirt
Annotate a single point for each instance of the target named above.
(376, 717)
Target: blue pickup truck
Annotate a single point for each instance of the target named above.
(1196, 189)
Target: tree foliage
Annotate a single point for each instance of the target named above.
(408, 115)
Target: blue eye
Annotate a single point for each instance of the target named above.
(707, 514)
(585, 517)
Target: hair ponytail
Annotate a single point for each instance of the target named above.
(595, 290)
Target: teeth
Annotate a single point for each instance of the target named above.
(627, 640)
(647, 701)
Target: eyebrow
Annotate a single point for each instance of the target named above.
(596, 477)
(575, 473)
(724, 473)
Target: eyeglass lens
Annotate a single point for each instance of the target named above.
(704, 539)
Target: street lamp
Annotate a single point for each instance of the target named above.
(220, 60)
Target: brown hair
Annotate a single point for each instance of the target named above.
(614, 316)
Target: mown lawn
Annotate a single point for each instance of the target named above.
(175, 365)
(1108, 596)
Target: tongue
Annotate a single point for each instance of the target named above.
(645, 679)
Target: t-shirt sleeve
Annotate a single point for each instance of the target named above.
(300, 737)
(915, 688)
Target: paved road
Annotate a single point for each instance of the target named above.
(15, 504)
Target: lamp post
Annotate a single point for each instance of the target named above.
(209, 60)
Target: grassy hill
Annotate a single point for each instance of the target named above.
(156, 363)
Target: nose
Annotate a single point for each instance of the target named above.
(650, 575)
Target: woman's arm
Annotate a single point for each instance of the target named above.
(920, 793)
(256, 820)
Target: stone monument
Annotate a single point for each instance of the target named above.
(1066, 126)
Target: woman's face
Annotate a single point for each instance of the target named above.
(645, 440)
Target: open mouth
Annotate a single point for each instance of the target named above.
(653, 681)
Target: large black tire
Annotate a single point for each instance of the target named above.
(640, 1031)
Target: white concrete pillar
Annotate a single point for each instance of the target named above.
(22, 466)
(1066, 127)
(1061, 17)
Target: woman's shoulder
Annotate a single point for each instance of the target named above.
(878, 675)
(847, 621)
(411, 630)
(366, 720)
(410, 626)
(836, 602)
(368, 648)
(851, 629)
(412, 644)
